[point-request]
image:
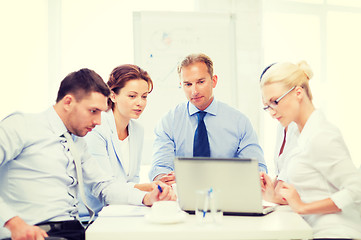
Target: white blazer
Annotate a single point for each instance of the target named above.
(102, 145)
(320, 167)
(292, 135)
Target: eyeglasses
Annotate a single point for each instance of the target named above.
(273, 105)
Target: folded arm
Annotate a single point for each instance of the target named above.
(323, 206)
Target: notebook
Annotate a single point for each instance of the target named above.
(236, 179)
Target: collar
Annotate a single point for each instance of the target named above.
(211, 109)
(108, 116)
(312, 125)
(55, 122)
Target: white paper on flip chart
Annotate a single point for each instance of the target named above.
(123, 211)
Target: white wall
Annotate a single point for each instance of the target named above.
(249, 51)
(44, 40)
(23, 56)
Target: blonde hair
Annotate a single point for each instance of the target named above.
(290, 75)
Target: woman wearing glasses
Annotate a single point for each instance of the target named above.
(319, 180)
(286, 140)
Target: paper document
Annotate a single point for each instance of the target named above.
(123, 211)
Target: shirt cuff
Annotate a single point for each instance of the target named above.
(262, 167)
(342, 199)
(158, 170)
(136, 197)
(6, 214)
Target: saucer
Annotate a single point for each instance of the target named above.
(177, 218)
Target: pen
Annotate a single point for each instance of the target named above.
(160, 188)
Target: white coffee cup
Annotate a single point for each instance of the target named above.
(165, 209)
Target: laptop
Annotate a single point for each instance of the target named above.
(236, 179)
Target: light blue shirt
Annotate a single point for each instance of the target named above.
(37, 174)
(230, 135)
(104, 146)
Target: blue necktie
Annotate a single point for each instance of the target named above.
(201, 143)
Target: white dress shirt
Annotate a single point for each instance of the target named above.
(320, 167)
(37, 172)
(124, 148)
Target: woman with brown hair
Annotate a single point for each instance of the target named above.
(117, 143)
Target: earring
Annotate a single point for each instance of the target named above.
(112, 96)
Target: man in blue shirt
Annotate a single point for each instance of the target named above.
(230, 133)
(39, 175)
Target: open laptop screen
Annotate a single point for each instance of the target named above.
(236, 180)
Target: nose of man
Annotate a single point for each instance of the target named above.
(194, 90)
(97, 120)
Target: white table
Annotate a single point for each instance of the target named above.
(281, 224)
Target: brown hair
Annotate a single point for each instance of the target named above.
(81, 83)
(197, 57)
(124, 73)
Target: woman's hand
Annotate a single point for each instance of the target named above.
(166, 194)
(267, 187)
(270, 189)
(288, 192)
(323, 206)
(147, 187)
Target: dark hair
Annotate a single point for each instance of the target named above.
(194, 58)
(81, 83)
(124, 73)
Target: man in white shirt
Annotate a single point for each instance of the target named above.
(38, 178)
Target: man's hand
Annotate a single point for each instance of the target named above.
(167, 194)
(20, 230)
(168, 179)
